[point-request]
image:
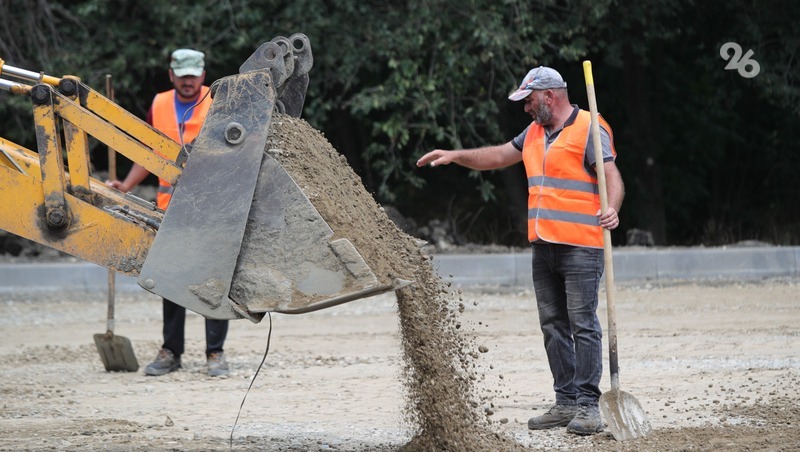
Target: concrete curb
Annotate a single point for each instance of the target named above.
(474, 270)
(640, 265)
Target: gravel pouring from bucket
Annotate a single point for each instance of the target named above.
(625, 417)
(240, 237)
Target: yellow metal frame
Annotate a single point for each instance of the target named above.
(125, 242)
(65, 207)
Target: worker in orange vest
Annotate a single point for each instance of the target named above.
(179, 113)
(565, 230)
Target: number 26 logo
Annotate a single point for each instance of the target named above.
(739, 62)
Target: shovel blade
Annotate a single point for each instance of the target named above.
(624, 415)
(116, 353)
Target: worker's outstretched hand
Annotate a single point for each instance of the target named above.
(436, 157)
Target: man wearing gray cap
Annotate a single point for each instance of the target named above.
(179, 113)
(565, 230)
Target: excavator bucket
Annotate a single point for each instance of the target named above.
(240, 238)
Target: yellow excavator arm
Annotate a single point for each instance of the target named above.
(71, 211)
(239, 238)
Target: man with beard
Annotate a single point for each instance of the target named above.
(565, 230)
(179, 113)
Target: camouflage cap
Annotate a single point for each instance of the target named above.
(187, 62)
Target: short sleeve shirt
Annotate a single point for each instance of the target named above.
(550, 136)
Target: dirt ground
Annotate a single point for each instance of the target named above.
(716, 366)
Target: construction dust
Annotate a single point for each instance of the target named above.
(440, 362)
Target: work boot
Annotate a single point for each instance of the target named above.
(587, 421)
(556, 416)
(165, 362)
(217, 366)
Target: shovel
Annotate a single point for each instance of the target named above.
(625, 417)
(116, 352)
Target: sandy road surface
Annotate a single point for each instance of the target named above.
(716, 367)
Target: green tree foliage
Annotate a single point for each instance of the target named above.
(710, 150)
(705, 152)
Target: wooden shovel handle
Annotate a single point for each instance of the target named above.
(112, 175)
(112, 155)
(608, 257)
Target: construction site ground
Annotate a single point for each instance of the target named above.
(716, 366)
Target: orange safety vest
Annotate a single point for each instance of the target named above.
(563, 195)
(165, 119)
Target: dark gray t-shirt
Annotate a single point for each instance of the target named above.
(550, 137)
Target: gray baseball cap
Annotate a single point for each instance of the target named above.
(538, 78)
(187, 62)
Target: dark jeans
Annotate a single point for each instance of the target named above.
(174, 327)
(566, 280)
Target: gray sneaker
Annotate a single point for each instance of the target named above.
(217, 366)
(165, 362)
(587, 421)
(556, 416)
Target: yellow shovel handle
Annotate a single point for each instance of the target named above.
(613, 362)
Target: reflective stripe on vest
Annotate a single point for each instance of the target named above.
(563, 196)
(165, 119)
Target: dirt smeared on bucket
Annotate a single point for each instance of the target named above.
(439, 360)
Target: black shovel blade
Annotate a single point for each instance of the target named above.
(624, 415)
(116, 353)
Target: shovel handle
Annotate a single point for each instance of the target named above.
(112, 175)
(112, 155)
(111, 292)
(608, 257)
